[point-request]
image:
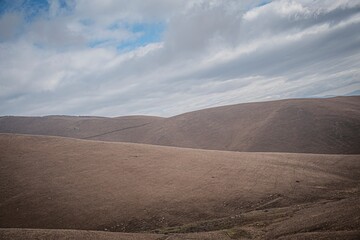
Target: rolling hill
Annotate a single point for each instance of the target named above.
(157, 192)
(329, 126)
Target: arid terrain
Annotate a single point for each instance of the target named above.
(296, 125)
(285, 169)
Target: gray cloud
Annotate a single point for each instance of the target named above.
(212, 53)
(9, 26)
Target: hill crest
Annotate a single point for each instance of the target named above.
(296, 125)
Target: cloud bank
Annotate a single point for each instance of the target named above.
(163, 57)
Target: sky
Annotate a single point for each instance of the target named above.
(166, 57)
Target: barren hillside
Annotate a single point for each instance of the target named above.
(296, 125)
(63, 183)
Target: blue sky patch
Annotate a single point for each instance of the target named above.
(264, 2)
(32, 9)
(29, 8)
(148, 33)
(98, 43)
(86, 22)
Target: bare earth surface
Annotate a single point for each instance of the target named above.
(59, 188)
(329, 126)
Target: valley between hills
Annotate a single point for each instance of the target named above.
(287, 169)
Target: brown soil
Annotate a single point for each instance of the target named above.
(328, 126)
(160, 192)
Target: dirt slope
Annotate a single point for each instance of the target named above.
(71, 126)
(56, 234)
(297, 125)
(63, 183)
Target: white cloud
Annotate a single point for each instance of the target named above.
(212, 53)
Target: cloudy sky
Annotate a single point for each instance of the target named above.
(165, 57)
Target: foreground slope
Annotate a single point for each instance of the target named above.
(296, 125)
(63, 183)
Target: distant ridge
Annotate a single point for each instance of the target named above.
(325, 125)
